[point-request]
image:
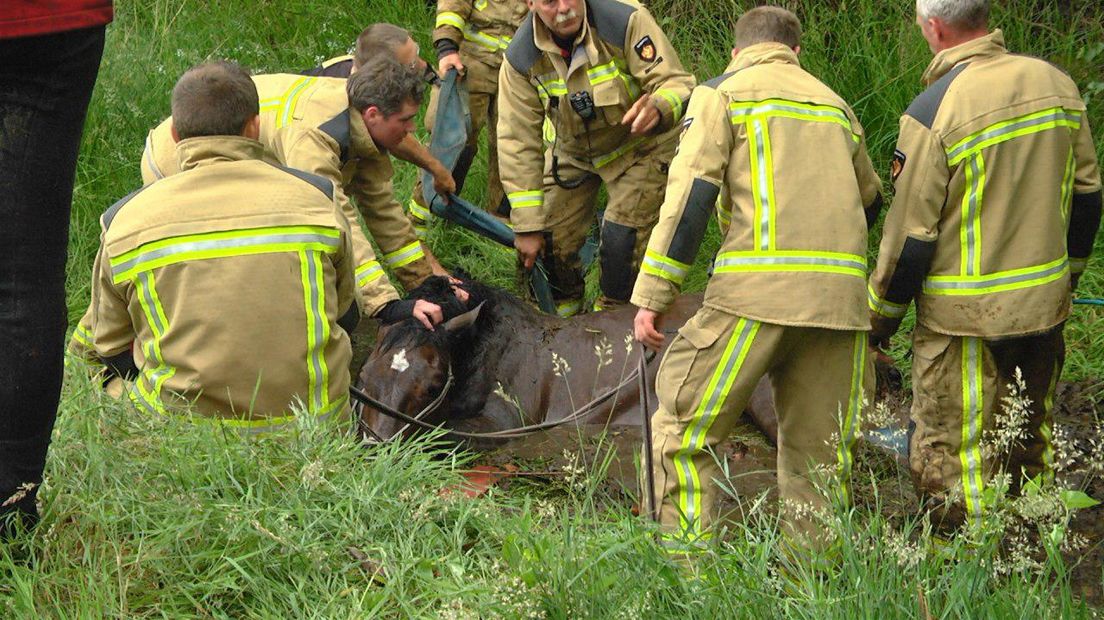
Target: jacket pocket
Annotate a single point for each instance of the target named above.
(700, 332)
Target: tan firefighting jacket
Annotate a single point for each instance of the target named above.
(482, 29)
(993, 161)
(787, 158)
(339, 148)
(620, 54)
(224, 286)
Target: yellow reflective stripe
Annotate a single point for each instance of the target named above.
(681, 543)
(368, 272)
(791, 260)
(882, 306)
(448, 18)
(672, 100)
(1066, 196)
(1012, 279)
(571, 307)
(151, 161)
(664, 267)
(285, 104)
(405, 255)
(318, 328)
(83, 336)
(419, 212)
(693, 440)
(603, 160)
(487, 41)
(267, 425)
(1044, 428)
(603, 73)
(223, 244)
(155, 371)
(549, 85)
(851, 418)
(549, 130)
(969, 452)
(525, 199)
(970, 231)
(746, 111)
(760, 196)
(1003, 131)
(480, 5)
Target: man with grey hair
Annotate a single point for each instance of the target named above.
(997, 205)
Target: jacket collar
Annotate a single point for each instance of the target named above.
(761, 54)
(360, 141)
(991, 44)
(207, 150)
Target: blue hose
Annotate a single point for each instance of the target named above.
(1089, 301)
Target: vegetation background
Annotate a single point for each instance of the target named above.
(160, 518)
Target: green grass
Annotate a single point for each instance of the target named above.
(158, 517)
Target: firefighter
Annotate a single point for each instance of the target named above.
(471, 36)
(782, 159)
(613, 90)
(340, 150)
(997, 203)
(195, 281)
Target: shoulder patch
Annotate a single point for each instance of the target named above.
(645, 48)
(610, 19)
(338, 129)
(926, 105)
(522, 53)
(715, 82)
(109, 215)
(897, 165)
(322, 184)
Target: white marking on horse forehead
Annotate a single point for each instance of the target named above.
(398, 362)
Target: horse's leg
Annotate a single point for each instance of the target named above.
(761, 410)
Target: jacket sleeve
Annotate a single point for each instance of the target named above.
(312, 151)
(1085, 203)
(911, 226)
(387, 222)
(520, 154)
(113, 333)
(693, 186)
(660, 72)
(870, 186)
(452, 16)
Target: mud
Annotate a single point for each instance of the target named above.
(750, 458)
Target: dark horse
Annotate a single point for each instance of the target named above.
(512, 366)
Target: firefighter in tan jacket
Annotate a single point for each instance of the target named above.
(613, 90)
(309, 123)
(471, 36)
(996, 208)
(787, 158)
(228, 287)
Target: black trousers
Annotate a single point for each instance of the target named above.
(45, 85)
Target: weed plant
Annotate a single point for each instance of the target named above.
(160, 517)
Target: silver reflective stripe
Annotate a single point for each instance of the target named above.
(221, 244)
(150, 160)
(775, 107)
(763, 189)
(1061, 115)
(973, 196)
(972, 425)
(982, 282)
(317, 325)
(671, 269)
(729, 261)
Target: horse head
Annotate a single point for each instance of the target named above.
(412, 367)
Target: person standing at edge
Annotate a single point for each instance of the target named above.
(787, 157)
(996, 207)
(613, 91)
(49, 58)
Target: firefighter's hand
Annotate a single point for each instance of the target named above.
(443, 183)
(429, 314)
(528, 247)
(450, 61)
(644, 116)
(644, 328)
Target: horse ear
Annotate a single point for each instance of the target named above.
(461, 321)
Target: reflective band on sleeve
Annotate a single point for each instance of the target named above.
(83, 336)
(419, 212)
(1012, 279)
(882, 306)
(526, 199)
(972, 423)
(693, 440)
(1003, 131)
(368, 272)
(664, 267)
(223, 244)
(674, 101)
(404, 255)
(791, 260)
(448, 18)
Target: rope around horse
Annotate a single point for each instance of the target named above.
(513, 433)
